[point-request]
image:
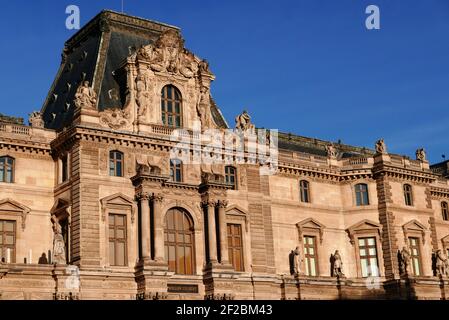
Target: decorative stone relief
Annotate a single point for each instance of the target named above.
(331, 151)
(116, 119)
(85, 97)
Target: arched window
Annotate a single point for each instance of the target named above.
(171, 106)
(6, 169)
(176, 170)
(361, 194)
(116, 164)
(408, 195)
(231, 176)
(179, 242)
(304, 190)
(445, 211)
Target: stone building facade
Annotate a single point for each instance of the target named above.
(96, 201)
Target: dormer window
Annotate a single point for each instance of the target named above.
(171, 107)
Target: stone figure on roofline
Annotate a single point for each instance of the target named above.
(243, 122)
(381, 146)
(421, 154)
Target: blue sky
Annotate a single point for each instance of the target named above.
(309, 67)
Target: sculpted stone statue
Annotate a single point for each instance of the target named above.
(85, 96)
(243, 122)
(203, 108)
(35, 120)
(142, 95)
(404, 260)
(331, 151)
(297, 261)
(58, 246)
(441, 263)
(381, 147)
(421, 154)
(337, 265)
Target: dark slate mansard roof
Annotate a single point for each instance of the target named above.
(94, 53)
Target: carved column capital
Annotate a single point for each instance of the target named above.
(209, 203)
(158, 197)
(143, 196)
(223, 204)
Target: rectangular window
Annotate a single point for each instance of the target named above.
(415, 255)
(235, 246)
(310, 256)
(117, 240)
(7, 241)
(64, 168)
(368, 257)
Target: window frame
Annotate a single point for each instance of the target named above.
(368, 257)
(307, 262)
(304, 189)
(167, 243)
(445, 210)
(175, 167)
(165, 100)
(229, 175)
(361, 192)
(3, 246)
(413, 257)
(124, 240)
(4, 167)
(408, 194)
(114, 160)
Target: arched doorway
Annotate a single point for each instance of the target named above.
(179, 241)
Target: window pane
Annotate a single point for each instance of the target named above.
(362, 252)
(9, 226)
(112, 253)
(371, 241)
(119, 169)
(364, 264)
(416, 266)
(120, 254)
(312, 267)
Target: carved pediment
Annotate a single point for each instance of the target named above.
(364, 226)
(118, 201)
(310, 224)
(9, 206)
(238, 212)
(416, 227)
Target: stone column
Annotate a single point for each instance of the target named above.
(145, 225)
(158, 228)
(222, 204)
(211, 231)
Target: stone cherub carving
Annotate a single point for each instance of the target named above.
(58, 245)
(381, 146)
(337, 265)
(441, 263)
(85, 96)
(243, 122)
(421, 154)
(404, 261)
(35, 119)
(331, 151)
